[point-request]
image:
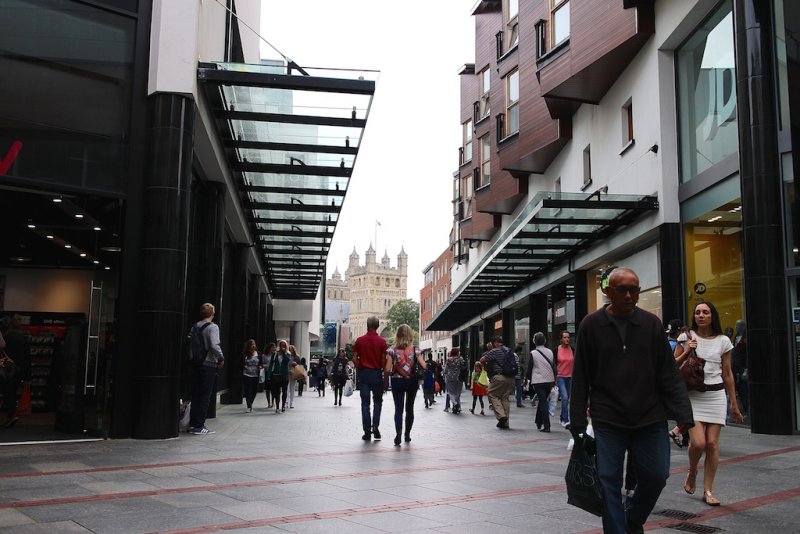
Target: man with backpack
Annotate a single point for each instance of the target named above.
(207, 357)
(502, 367)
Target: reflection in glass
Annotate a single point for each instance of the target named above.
(707, 95)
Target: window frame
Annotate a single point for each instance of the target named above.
(466, 141)
(511, 105)
(485, 168)
(485, 88)
(555, 7)
(511, 33)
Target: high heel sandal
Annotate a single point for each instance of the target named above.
(709, 499)
(690, 484)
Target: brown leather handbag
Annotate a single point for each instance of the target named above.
(692, 371)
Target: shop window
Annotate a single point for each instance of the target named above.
(707, 95)
(712, 224)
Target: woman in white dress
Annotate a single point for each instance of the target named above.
(709, 405)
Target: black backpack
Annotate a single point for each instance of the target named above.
(197, 344)
(508, 363)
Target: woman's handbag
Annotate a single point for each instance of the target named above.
(299, 372)
(583, 483)
(692, 371)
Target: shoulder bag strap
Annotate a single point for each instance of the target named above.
(552, 366)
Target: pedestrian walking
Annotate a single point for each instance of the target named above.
(480, 381)
(624, 369)
(453, 370)
(565, 360)
(294, 380)
(279, 370)
(205, 369)
(251, 368)
(708, 403)
(338, 376)
(403, 358)
(369, 356)
(321, 374)
(542, 374)
(502, 368)
(266, 361)
(429, 383)
(520, 377)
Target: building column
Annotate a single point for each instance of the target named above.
(162, 267)
(673, 304)
(581, 288)
(538, 314)
(763, 247)
(240, 324)
(509, 336)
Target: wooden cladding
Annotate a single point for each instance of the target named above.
(604, 38)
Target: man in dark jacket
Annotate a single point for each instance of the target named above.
(626, 376)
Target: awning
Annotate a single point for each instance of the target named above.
(291, 140)
(551, 229)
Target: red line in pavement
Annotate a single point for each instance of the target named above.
(264, 483)
(393, 450)
(349, 512)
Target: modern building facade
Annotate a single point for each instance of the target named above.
(432, 297)
(651, 134)
(152, 162)
(374, 287)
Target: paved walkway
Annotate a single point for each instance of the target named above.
(307, 471)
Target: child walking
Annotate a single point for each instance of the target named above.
(428, 385)
(479, 390)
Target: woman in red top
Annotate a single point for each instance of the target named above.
(565, 359)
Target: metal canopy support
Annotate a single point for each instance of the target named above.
(551, 229)
(291, 138)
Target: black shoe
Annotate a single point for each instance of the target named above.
(545, 429)
(376, 434)
(397, 439)
(408, 437)
(366, 436)
(503, 423)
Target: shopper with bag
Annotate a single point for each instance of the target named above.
(542, 374)
(706, 341)
(625, 370)
(565, 359)
(452, 376)
(480, 383)
(403, 358)
(278, 371)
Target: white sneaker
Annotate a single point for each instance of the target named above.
(565, 425)
(249, 410)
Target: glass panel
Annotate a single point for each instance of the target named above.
(512, 9)
(561, 23)
(707, 95)
(742, 384)
(72, 67)
(714, 257)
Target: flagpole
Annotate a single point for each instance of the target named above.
(376, 237)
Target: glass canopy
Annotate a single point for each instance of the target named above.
(291, 136)
(551, 229)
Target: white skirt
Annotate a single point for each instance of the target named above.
(709, 406)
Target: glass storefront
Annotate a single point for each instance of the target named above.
(65, 101)
(707, 95)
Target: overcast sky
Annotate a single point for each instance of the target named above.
(404, 171)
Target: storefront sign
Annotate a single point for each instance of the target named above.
(11, 155)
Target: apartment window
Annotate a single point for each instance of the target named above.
(559, 22)
(512, 104)
(483, 105)
(627, 124)
(486, 152)
(587, 165)
(512, 24)
(466, 195)
(467, 142)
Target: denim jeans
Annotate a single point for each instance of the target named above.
(649, 450)
(250, 384)
(564, 388)
(370, 381)
(404, 391)
(518, 391)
